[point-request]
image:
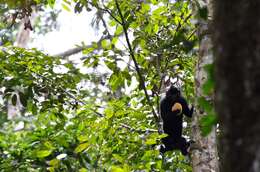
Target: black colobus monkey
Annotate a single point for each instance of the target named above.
(173, 106)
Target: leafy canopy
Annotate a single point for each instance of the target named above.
(79, 122)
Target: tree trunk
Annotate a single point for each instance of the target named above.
(237, 72)
(23, 35)
(205, 160)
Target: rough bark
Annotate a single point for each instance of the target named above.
(23, 34)
(205, 160)
(237, 72)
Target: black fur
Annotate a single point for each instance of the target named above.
(172, 121)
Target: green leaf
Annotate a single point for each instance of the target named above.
(88, 50)
(114, 40)
(148, 29)
(54, 162)
(134, 25)
(83, 170)
(155, 28)
(43, 153)
(115, 81)
(65, 7)
(81, 147)
(154, 2)
(150, 141)
(83, 138)
(37, 1)
(118, 158)
(159, 11)
(162, 135)
(142, 44)
(51, 3)
(109, 112)
(51, 169)
(119, 30)
(145, 7)
(117, 169)
(104, 43)
(67, 2)
(112, 23)
(111, 65)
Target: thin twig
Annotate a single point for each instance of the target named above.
(106, 10)
(184, 21)
(192, 33)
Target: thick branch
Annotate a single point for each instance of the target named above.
(79, 49)
(71, 51)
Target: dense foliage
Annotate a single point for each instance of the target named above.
(79, 122)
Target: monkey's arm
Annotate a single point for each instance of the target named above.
(185, 108)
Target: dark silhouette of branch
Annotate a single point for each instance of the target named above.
(106, 10)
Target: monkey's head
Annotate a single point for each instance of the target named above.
(173, 91)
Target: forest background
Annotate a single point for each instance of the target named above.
(95, 105)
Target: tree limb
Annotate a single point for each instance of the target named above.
(80, 48)
(71, 51)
